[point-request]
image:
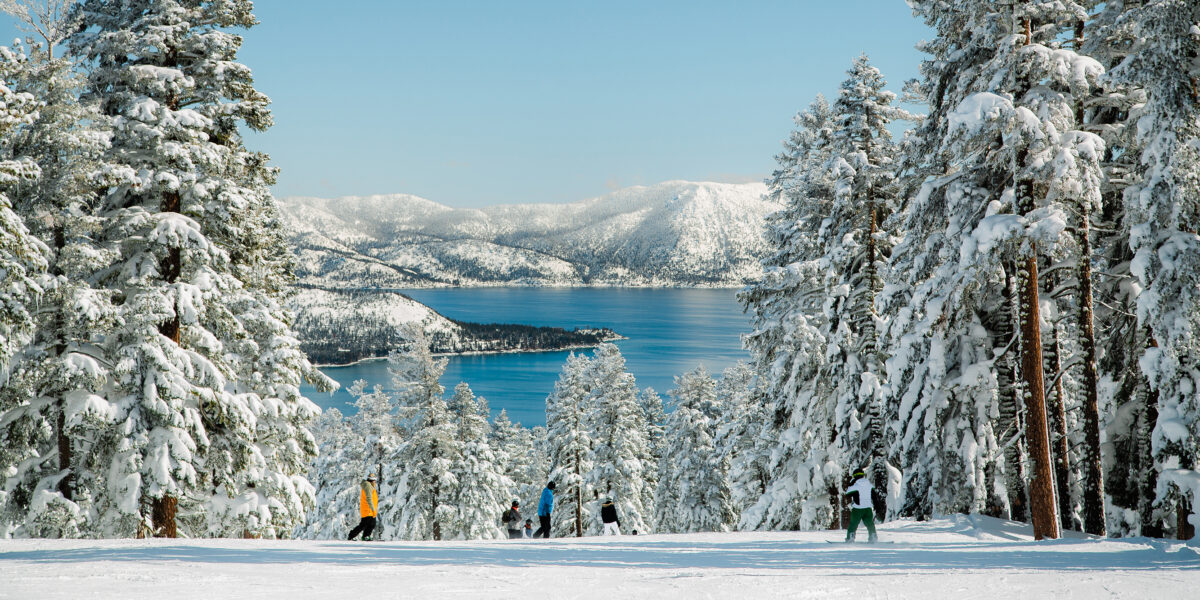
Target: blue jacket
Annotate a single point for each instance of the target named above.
(547, 503)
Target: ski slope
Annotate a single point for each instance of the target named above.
(959, 557)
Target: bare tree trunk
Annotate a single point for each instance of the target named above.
(437, 490)
(871, 348)
(162, 514)
(1011, 423)
(1151, 524)
(1184, 530)
(1041, 485)
(578, 497)
(1058, 420)
(1093, 470)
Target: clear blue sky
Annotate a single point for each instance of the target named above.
(471, 103)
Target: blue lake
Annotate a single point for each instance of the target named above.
(669, 331)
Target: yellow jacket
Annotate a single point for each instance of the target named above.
(368, 507)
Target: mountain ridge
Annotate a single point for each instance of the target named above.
(675, 233)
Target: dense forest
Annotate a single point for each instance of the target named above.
(983, 291)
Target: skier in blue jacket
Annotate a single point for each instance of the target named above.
(544, 507)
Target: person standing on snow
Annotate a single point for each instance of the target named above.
(528, 529)
(860, 506)
(608, 514)
(512, 519)
(544, 507)
(368, 508)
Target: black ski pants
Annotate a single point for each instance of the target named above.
(366, 526)
(544, 530)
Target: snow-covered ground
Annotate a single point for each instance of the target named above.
(960, 557)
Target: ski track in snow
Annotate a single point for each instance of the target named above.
(960, 557)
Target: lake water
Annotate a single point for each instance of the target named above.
(669, 331)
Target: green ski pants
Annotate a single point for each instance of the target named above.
(867, 516)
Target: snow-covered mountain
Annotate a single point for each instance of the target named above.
(673, 233)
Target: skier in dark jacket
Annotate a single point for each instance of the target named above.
(512, 519)
(608, 514)
(545, 506)
(860, 506)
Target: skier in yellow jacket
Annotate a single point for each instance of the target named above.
(368, 508)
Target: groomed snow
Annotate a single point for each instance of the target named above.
(961, 557)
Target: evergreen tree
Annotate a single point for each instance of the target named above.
(786, 341)
(483, 490)
(736, 438)
(22, 259)
(853, 252)
(61, 371)
(620, 448)
(516, 450)
(425, 487)
(655, 420)
(202, 427)
(569, 446)
(1161, 209)
(335, 474)
(693, 488)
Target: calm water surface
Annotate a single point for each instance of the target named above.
(669, 331)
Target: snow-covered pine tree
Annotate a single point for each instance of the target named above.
(943, 321)
(786, 342)
(335, 475)
(22, 260)
(620, 448)
(693, 486)
(483, 491)
(516, 449)
(996, 209)
(1115, 348)
(655, 420)
(61, 371)
(737, 436)
(193, 428)
(853, 253)
(424, 487)
(22, 256)
(1162, 207)
(569, 446)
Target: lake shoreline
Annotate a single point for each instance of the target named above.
(481, 353)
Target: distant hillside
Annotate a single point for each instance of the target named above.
(672, 234)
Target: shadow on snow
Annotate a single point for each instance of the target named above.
(1059, 555)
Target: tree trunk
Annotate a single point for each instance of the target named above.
(65, 485)
(1151, 524)
(162, 514)
(172, 268)
(437, 490)
(1093, 470)
(1184, 530)
(164, 508)
(578, 497)
(1041, 485)
(871, 347)
(1011, 424)
(1058, 420)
